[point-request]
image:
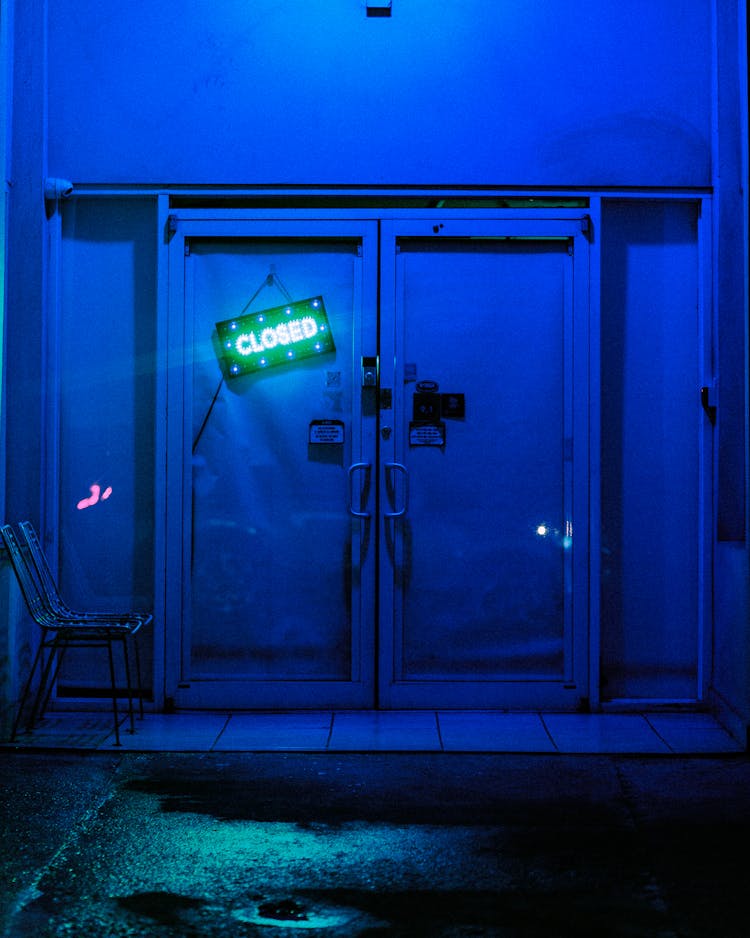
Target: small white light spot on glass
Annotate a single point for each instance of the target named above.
(542, 530)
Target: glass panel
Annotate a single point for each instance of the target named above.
(271, 559)
(107, 339)
(374, 203)
(487, 537)
(650, 447)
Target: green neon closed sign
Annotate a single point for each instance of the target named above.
(281, 335)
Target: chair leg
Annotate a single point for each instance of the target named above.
(114, 692)
(139, 685)
(47, 681)
(26, 690)
(61, 649)
(126, 658)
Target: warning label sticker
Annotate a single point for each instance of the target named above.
(327, 431)
(426, 434)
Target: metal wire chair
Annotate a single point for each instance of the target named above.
(52, 594)
(57, 604)
(64, 628)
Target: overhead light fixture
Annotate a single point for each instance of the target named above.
(378, 7)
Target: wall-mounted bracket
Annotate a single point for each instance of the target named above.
(709, 401)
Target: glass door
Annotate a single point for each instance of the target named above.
(378, 459)
(275, 603)
(484, 475)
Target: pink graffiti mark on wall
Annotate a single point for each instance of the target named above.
(96, 496)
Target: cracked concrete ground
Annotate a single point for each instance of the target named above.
(273, 844)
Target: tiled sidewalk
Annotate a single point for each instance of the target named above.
(388, 731)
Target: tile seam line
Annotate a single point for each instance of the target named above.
(221, 732)
(549, 734)
(439, 731)
(671, 749)
(330, 730)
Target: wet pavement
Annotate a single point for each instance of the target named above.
(174, 845)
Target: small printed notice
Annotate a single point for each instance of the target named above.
(327, 431)
(426, 434)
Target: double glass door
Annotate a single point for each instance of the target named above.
(377, 437)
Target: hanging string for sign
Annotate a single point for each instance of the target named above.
(272, 279)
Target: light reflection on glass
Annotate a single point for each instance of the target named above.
(565, 541)
(96, 496)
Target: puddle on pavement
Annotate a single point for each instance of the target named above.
(289, 913)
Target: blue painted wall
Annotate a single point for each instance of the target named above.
(586, 93)
(312, 91)
(22, 389)
(731, 637)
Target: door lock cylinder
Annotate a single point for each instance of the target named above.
(369, 371)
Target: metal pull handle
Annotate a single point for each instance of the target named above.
(352, 469)
(391, 467)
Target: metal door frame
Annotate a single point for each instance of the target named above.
(228, 693)
(573, 692)
(306, 223)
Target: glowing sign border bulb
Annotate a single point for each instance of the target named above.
(261, 340)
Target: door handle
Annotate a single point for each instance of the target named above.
(390, 469)
(350, 503)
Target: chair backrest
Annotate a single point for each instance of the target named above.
(41, 567)
(30, 588)
(38, 565)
